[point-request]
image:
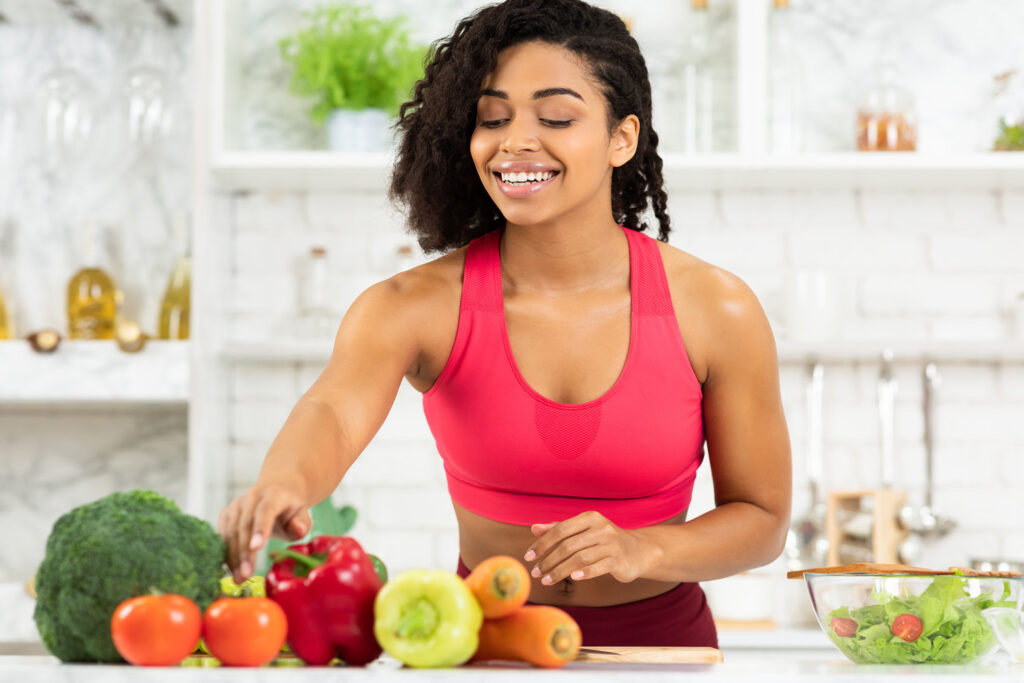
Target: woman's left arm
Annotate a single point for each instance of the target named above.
(749, 455)
(748, 451)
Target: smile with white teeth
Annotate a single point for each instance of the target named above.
(518, 179)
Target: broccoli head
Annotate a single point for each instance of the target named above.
(118, 547)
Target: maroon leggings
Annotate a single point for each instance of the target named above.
(679, 617)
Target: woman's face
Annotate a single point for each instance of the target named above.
(541, 144)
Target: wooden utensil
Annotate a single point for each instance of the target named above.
(651, 655)
(874, 568)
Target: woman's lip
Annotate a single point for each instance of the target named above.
(521, 191)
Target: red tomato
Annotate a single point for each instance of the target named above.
(843, 627)
(156, 630)
(907, 627)
(244, 631)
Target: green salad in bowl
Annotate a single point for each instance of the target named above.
(910, 619)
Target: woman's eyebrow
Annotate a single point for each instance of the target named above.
(540, 94)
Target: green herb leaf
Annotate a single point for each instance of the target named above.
(347, 58)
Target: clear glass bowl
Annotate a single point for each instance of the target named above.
(910, 618)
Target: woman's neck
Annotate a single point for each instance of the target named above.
(564, 257)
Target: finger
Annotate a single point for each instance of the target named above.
(564, 551)
(560, 531)
(244, 532)
(227, 526)
(541, 529)
(265, 513)
(600, 568)
(300, 524)
(577, 562)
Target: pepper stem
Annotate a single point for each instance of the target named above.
(419, 619)
(309, 562)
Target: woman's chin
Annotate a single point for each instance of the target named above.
(523, 216)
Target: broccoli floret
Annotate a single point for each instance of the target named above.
(118, 547)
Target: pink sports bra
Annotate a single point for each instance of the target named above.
(515, 456)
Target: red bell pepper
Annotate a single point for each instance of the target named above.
(327, 588)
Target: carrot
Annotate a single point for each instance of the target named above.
(542, 635)
(500, 584)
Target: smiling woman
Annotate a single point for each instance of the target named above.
(572, 367)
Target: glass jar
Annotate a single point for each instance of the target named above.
(785, 83)
(886, 118)
(317, 317)
(1008, 102)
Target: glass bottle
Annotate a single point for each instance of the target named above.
(886, 120)
(175, 307)
(697, 83)
(5, 323)
(316, 316)
(176, 304)
(92, 297)
(785, 83)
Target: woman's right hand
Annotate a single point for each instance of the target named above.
(263, 511)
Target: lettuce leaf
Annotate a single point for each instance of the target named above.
(953, 630)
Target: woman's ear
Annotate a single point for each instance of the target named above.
(624, 140)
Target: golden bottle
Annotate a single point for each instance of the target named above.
(92, 305)
(174, 310)
(5, 323)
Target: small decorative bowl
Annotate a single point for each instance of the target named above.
(911, 619)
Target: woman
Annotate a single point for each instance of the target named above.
(572, 367)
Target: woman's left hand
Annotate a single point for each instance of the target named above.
(586, 546)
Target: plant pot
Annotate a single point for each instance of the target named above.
(366, 130)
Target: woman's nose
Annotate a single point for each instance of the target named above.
(519, 137)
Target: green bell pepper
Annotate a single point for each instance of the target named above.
(427, 619)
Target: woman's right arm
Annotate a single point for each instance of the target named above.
(377, 344)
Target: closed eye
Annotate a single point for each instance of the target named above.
(494, 123)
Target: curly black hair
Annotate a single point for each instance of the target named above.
(434, 176)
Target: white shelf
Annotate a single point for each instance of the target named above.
(239, 171)
(971, 353)
(95, 372)
(774, 639)
(300, 171)
(790, 353)
(279, 351)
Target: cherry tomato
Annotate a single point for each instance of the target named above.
(843, 627)
(156, 630)
(907, 627)
(245, 631)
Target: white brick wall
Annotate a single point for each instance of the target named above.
(920, 265)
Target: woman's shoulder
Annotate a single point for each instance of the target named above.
(433, 281)
(706, 284)
(718, 313)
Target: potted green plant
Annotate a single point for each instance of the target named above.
(358, 67)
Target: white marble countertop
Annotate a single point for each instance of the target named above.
(750, 666)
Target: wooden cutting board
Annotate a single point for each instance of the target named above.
(651, 655)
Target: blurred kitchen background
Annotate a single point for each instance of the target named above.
(851, 160)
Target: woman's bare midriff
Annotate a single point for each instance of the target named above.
(480, 538)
